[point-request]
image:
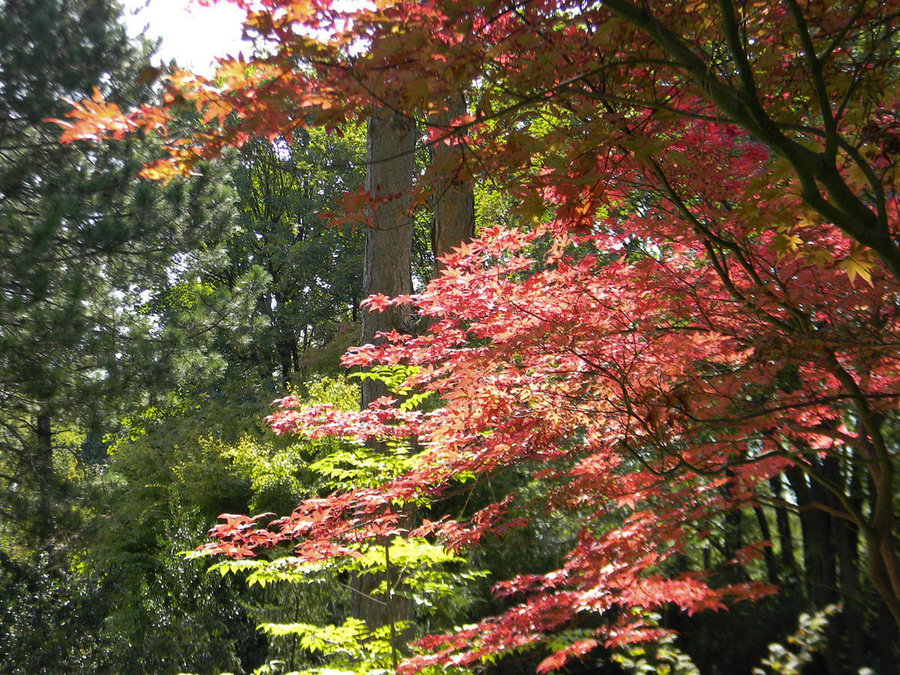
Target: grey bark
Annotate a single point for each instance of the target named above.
(391, 165)
(454, 200)
(390, 155)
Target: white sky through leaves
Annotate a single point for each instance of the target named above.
(191, 34)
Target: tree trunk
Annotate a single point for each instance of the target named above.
(769, 555)
(732, 533)
(818, 554)
(846, 629)
(453, 201)
(391, 165)
(818, 548)
(390, 155)
(785, 536)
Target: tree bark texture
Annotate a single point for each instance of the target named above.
(390, 153)
(454, 199)
(390, 156)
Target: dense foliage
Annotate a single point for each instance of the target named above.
(640, 422)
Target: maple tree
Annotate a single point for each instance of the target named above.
(701, 296)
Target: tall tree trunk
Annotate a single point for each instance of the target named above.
(454, 200)
(785, 536)
(818, 547)
(818, 554)
(390, 155)
(732, 533)
(769, 555)
(846, 629)
(882, 543)
(391, 166)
